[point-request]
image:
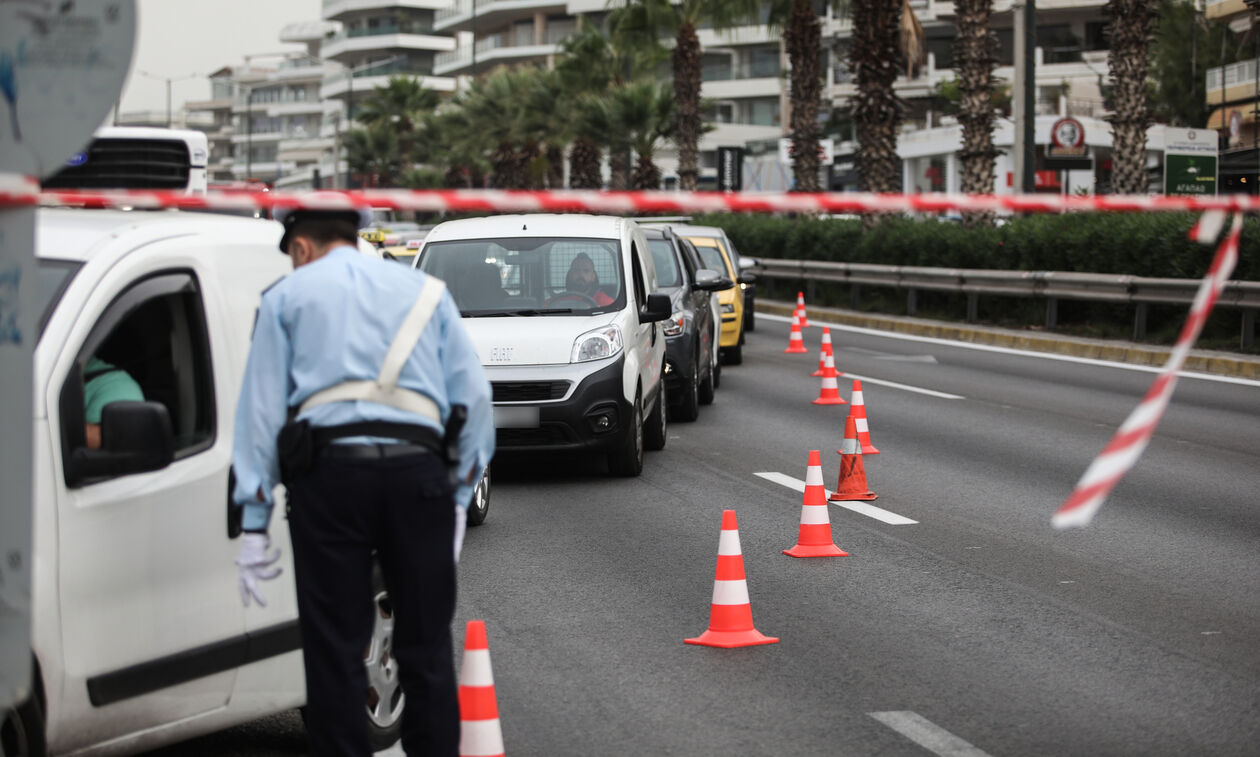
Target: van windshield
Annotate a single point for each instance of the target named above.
(51, 279)
(529, 276)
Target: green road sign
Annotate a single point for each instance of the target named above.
(1190, 174)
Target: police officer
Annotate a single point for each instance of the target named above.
(356, 372)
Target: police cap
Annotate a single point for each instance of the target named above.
(289, 217)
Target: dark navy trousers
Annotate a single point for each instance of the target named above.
(343, 514)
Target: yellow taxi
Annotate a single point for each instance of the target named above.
(716, 257)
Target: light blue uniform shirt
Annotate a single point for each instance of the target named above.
(332, 321)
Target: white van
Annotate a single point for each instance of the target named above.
(138, 632)
(575, 365)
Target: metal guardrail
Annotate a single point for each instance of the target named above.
(1049, 285)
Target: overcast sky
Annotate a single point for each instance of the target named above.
(176, 38)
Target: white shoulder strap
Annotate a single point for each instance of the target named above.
(385, 390)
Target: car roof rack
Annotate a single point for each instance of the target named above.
(664, 219)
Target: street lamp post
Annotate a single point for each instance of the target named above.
(249, 133)
(168, 80)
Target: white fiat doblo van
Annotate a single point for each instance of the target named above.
(562, 310)
(137, 628)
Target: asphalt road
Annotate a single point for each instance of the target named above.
(977, 630)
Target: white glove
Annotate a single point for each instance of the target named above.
(461, 522)
(256, 565)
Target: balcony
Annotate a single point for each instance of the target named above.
(458, 16)
(490, 51)
(339, 84)
(1220, 9)
(1226, 84)
(366, 43)
(332, 10)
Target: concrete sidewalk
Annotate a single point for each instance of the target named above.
(1201, 361)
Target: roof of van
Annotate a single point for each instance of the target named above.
(689, 230)
(530, 225)
(73, 234)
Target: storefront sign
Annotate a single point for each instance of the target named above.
(1190, 161)
(1067, 139)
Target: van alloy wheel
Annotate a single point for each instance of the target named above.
(385, 695)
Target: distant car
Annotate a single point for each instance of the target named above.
(691, 333)
(746, 279)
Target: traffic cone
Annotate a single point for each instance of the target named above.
(800, 309)
(730, 614)
(795, 343)
(814, 539)
(824, 351)
(830, 392)
(852, 484)
(479, 732)
(857, 411)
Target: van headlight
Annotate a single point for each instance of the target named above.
(674, 326)
(596, 345)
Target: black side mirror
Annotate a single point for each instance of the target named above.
(657, 308)
(135, 437)
(747, 277)
(711, 281)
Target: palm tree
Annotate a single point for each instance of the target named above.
(975, 55)
(649, 20)
(400, 105)
(803, 40)
(646, 110)
(1129, 36)
(596, 119)
(882, 35)
(372, 153)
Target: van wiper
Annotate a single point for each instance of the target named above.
(503, 313)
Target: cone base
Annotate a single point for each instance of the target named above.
(790, 351)
(869, 449)
(853, 497)
(732, 639)
(826, 550)
(830, 401)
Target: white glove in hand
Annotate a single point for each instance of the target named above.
(461, 521)
(256, 565)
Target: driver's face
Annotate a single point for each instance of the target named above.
(582, 276)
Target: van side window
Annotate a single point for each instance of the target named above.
(150, 344)
(640, 287)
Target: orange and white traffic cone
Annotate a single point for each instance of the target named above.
(800, 309)
(823, 352)
(830, 392)
(852, 484)
(814, 538)
(480, 734)
(730, 614)
(796, 344)
(857, 411)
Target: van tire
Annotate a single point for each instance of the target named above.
(22, 728)
(733, 355)
(707, 391)
(656, 428)
(627, 459)
(480, 505)
(383, 735)
(687, 408)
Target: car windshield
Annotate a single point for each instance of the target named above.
(667, 273)
(528, 276)
(50, 283)
(711, 256)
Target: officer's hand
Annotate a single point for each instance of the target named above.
(256, 565)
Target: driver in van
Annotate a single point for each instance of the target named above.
(102, 384)
(583, 279)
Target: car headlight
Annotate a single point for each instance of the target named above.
(596, 345)
(674, 326)
(728, 307)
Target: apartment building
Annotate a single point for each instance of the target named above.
(1233, 93)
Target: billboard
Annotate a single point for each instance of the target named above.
(1190, 161)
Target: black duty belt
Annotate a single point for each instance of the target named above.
(372, 451)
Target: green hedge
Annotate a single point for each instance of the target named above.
(1141, 244)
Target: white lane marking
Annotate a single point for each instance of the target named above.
(862, 508)
(1014, 351)
(395, 751)
(892, 356)
(927, 734)
(903, 387)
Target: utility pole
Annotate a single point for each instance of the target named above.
(249, 133)
(1025, 148)
(169, 80)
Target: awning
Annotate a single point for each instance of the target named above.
(1220, 117)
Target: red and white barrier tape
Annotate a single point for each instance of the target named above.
(1128, 443)
(620, 203)
(1115, 460)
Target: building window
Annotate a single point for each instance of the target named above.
(523, 34)
(762, 111)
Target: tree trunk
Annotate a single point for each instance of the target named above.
(687, 73)
(555, 167)
(975, 55)
(646, 174)
(584, 165)
(504, 167)
(803, 39)
(619, 168)
(874, 55)
(1129, 35)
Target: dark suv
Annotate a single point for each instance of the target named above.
(691, 333)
